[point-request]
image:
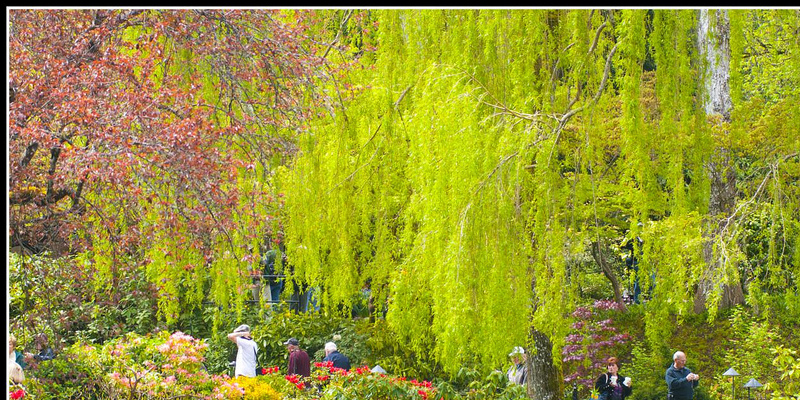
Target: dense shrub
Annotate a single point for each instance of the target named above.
(787, 364)
(164, 365)
(131, 366)
(60, 297)
(592, 339)
(70, 375)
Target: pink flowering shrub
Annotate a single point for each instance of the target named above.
(160, 366)
(592, 339)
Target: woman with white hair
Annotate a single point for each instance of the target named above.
(15, 356)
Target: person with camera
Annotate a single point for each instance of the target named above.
(247, 351)
(680, 380)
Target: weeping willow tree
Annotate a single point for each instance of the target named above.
(484, 151)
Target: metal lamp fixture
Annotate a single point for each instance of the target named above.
(752, 383)
(733, 374)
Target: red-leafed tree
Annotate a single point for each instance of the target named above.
(149, 137)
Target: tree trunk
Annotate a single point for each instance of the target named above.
(599, 258)
(543, 377)
(713, 42)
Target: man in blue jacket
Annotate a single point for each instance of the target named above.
(332, 354)
(680, 380)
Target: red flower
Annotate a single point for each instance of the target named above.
(18, 394)
(263, 371)
(301, 385)
(362, 370)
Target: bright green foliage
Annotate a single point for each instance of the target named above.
(405, 196)
(446, 194)
(752, 344)
(787, 363)
(465, 164)
(488, 149)
(764, 132)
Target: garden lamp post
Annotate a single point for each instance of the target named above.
(752, 383)
(733, 374)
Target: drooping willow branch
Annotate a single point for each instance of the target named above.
(561, 120)
(732, 221)
(396, 106)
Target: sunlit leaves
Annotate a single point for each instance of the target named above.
(152, 129)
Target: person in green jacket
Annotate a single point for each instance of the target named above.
(13, 354)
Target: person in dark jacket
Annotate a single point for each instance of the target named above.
(680, 380)
(611, 385)
(332, 354)
(299, 363)
(43, 349)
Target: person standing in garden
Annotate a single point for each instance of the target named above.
(680, 380)
(13, 354)
(332, 354)
(518, 371)
(299, 363)
(269, 259)
(610, 385)
(246, 356)
(43, 350)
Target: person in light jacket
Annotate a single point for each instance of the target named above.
(247, 354)
(518, 371)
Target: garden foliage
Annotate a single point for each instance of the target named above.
(473, 173)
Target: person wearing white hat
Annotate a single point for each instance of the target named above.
(247, 354)
(518, 371)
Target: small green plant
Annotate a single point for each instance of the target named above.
(787, 364)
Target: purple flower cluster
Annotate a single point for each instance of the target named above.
(592, 339)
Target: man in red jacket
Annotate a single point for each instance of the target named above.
(299, 363)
